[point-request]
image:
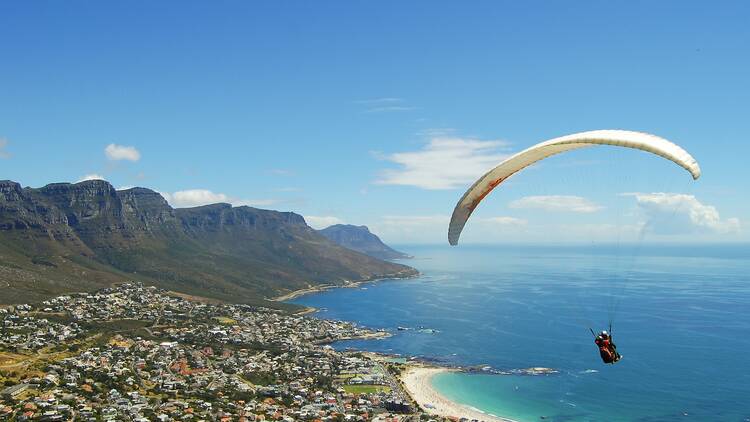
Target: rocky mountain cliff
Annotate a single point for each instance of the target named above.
(360, 239)
(71, 237)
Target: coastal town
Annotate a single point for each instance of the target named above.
(138, 353)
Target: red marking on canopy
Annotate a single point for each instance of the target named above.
(493, 185)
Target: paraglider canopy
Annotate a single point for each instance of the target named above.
(620, 138)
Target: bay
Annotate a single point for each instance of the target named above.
(680, 314)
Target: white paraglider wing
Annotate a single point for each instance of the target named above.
(621, 138)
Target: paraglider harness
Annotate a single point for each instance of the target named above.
(607, 349)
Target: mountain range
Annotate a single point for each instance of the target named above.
(360, 239)
(67, 237)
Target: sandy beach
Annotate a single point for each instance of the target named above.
(417, 379)
(346, 284)
(321, 288)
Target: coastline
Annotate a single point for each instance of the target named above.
(301, 292)
(417, 381)
(347, 285)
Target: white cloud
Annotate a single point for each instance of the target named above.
(383, 100)
(197, 197)
(385, 105)
(444, 163)
(281, 172)
(568, 203)
(321, 222)
(92, 176)
(434, 228)
(676, 213)
(3, 145)
(411, 228)
(120, 152)
(437, 132)
(421, 221)
(505, 221)
(415, 220)
(387, 109)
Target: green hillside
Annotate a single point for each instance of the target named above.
(78, 237)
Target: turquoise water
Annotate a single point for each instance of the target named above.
(681, 321)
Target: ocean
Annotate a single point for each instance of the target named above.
(681, 319)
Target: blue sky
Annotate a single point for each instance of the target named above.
(382, 113)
